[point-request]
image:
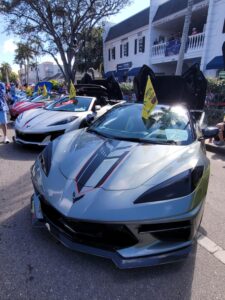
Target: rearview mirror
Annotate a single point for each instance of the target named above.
(98, 107)
(210, 132)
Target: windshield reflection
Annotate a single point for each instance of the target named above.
(166, 125)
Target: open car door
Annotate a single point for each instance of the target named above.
(189, 88)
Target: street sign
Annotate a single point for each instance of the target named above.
(222, 74)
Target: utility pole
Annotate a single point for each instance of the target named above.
(184, 38)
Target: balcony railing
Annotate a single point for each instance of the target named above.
(195, 42)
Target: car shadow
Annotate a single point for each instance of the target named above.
(13, 151)
(216, 156)
(36, 266)
(45, 265)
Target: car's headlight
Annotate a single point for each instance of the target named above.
(45, 159)
(64, 121)
(178, 186)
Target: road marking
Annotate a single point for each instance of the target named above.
(217, 251)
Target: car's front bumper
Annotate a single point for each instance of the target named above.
(36, 139)
(141, 254)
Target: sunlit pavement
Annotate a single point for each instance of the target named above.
(35, 266)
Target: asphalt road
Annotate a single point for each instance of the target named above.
(35, 266)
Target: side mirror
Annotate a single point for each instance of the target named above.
(89, 119)
(98, 107)
(210, 132)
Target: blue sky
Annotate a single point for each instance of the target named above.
(7, 43)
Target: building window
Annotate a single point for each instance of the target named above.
(126, 49)
(135, 46)
(224, 27)
(142, 44)
(109, 54)
(121, 51)
(113, 53)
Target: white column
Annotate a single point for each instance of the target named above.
(207, 36)
(154, 4)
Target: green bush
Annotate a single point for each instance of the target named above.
(56, 84)
(217, 88)
(127, 88)
(213, 116)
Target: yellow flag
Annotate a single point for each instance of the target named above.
(45, 92)
(150, 100)
(39, 90)
(72, 91)
(29, 91)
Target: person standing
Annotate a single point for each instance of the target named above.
(3, 112)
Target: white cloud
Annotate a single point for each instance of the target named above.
(9, 46)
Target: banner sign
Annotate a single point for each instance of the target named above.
(126, 65)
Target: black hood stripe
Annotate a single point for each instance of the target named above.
(97, 159)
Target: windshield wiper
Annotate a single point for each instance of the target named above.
(134, 139)
(140, 140)
(168, 142)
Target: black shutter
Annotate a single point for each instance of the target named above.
(121, 51)
(224, 27)
(113, 53)
(127, 49)
(135, 46)
(223, 49)
(109, 54)
(143, 44)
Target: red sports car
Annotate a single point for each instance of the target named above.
(37, 102)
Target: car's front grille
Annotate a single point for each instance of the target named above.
(105, 236)
(37, 137)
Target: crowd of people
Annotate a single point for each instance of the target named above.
(173, 37)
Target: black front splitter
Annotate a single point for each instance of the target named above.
(119, 261)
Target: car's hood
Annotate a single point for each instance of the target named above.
(93, 161)
(40, 118)
(17, 105)
(28, 105)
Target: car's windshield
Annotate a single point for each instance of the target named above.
(78, 104)
(166, 125)
(40, 98)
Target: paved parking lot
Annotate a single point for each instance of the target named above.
(35, 266)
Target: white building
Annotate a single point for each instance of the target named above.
(43, 71)
(152, 37)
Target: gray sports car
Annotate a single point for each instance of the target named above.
(128, 189)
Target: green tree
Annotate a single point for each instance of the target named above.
(56, 25)
(24, 54)
(13, 77)
(90, 54)
(5, 71)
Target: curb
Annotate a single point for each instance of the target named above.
(215, 149)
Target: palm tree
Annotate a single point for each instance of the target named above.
(184, 39)
(23, 55)
(6, 70)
